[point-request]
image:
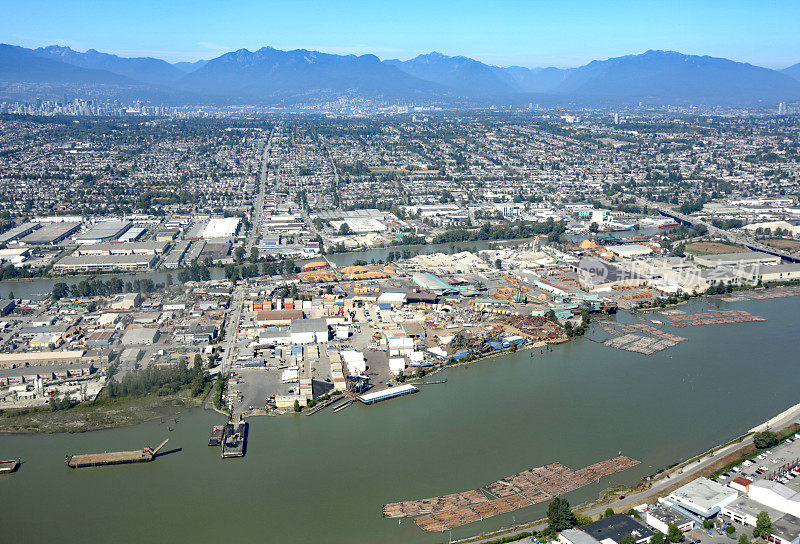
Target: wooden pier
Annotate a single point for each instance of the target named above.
(85, 460)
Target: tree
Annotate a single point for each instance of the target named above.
(609, 512)
(254, 255)
(560, 515)
(674, 534)
(628, 539)
(498, 264)
(239, 253)
(594, 227)
(344, 229)
(763, 526)
(657, 538)
(765, 439)
(60, 290)
(296, 406)
(743, 539)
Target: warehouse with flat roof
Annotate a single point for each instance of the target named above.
(736, 259)
(96, 263)
(51, 233)
(103, 231)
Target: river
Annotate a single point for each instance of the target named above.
(324, 478)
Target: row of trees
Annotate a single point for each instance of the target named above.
(98, 287)
(504, 232)
(159, 381)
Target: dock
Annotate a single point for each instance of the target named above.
(343, 405)
(85, 460)
(386, 394)
(234, 443)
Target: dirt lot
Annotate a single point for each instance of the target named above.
(783, 243)
(713, 248)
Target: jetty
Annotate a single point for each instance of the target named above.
(144, 455)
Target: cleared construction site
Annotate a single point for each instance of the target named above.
(523, 489)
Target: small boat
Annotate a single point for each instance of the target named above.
(7, 467)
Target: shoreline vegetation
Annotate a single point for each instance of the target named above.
(129, 399)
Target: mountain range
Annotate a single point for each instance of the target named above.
(271, 75)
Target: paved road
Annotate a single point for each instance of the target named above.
(237, 300)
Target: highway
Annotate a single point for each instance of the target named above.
(716, 231)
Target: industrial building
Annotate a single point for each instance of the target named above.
(140, 337)
(97, 263)
(103, 231)
(576, 536)
(615, 528)
(18, 232)
(266, 318)
(44, 358)
(221, 228)
(50, 234)
(745, 510)
(736, 259)
(661, 518)
(123, 248)
(309, 331)
(771, 272)
(703, 497)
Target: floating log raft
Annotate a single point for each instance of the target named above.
(435, 504)
(524, 489)
(714, 318)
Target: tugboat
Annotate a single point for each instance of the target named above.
(7, 467)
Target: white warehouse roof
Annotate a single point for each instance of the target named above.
(221, 227)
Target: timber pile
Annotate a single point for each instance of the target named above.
(556, 479)
(435, 504)
(443, 521)
(714, 318)
(765, 294)
(524, 489)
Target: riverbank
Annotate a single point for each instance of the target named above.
(106, 414)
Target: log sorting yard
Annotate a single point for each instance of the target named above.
(520, 490)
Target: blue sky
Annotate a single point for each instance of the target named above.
(504, 32)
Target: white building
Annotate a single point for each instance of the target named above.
(309, 331)
(703, 497)
(356, 364)
(221, 227)
(775, 495)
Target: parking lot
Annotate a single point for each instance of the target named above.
(776, 463)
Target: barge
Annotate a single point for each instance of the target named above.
(85, 460)
(217, 433)
(234, 442)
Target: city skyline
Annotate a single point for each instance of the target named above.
(531, 35)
